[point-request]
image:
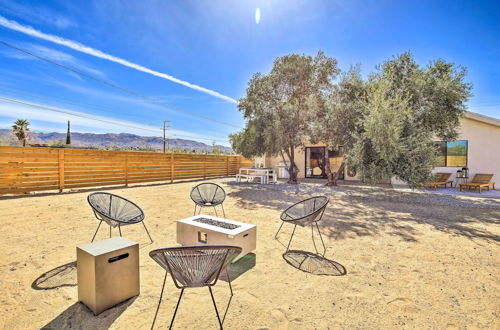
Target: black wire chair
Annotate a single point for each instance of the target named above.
(116, 211)
(195, 267)
(208, 195)
(308, 211)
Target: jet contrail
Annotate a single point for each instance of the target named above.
(13, 25)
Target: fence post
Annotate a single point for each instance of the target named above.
(204, 166)
(61, 169)
(126, 170)
(172, 167)
(227, 165)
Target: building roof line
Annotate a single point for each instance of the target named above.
(482, 118)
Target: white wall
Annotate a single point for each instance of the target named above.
(483, 155)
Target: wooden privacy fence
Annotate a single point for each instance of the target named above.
(25, 169)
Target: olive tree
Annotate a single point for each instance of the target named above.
(407, 107)
(336, 114)
(278, 107)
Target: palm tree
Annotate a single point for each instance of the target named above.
(21, 129)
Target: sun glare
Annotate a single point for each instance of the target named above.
(257, 15)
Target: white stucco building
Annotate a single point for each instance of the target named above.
(477, 148)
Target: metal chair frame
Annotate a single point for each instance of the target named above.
(211, 203)
(224, 266)
(101, 216)
(314, 221)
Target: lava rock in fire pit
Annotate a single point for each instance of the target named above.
(217, 223)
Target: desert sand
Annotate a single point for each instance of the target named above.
(391, 263)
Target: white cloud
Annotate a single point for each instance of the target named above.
(13, 25)
(51, 54)
(37, 14)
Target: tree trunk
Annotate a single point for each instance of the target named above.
(24, 142)
(335, 175)
(292, 169)
(328, 170)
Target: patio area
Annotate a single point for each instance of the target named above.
(395, 259)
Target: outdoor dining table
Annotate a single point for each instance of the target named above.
(263, 172)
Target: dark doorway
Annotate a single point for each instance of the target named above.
(315, 161)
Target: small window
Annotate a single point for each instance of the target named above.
(452, 154)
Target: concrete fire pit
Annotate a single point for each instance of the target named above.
(205, 229)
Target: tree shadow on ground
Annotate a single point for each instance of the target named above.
(313, 263)
(78, 316)
(61, 276)
(363, 211)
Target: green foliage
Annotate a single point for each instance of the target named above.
(56, 143)
(387, 124)
(216, 150)
(335, 114)
(21, 130)
(407, 106)
(278, 105)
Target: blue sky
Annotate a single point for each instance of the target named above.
(217, 45)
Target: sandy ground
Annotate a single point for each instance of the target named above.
(389, 264)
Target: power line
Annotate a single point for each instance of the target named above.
(79, 105)
(6, 99)
(125, 90)
(74, 114)
(60, 100)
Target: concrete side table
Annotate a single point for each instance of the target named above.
(108, 272)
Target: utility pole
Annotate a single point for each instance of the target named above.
(166, 124)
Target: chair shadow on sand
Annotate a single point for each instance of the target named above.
(76, 316)
(61, 276)
(313, 263)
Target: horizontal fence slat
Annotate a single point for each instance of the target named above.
(27, 169)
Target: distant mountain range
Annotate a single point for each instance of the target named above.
(121, 140)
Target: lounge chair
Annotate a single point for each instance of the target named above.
(208, 195)
(308, 211)
(479, 181)
(195, 267)
(116, 211)
(440, 179)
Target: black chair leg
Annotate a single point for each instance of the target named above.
(230, 297)
(312, 235)
(320, 236)
(229, 281)
(216, 211)
(224, 212)
(215, 306)
(159, 301)
(147, 231)
(176, 307)
(276, 236)
(96, 231)
(120, 229)
(293, 232)
(195, 205)
(109, 231)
